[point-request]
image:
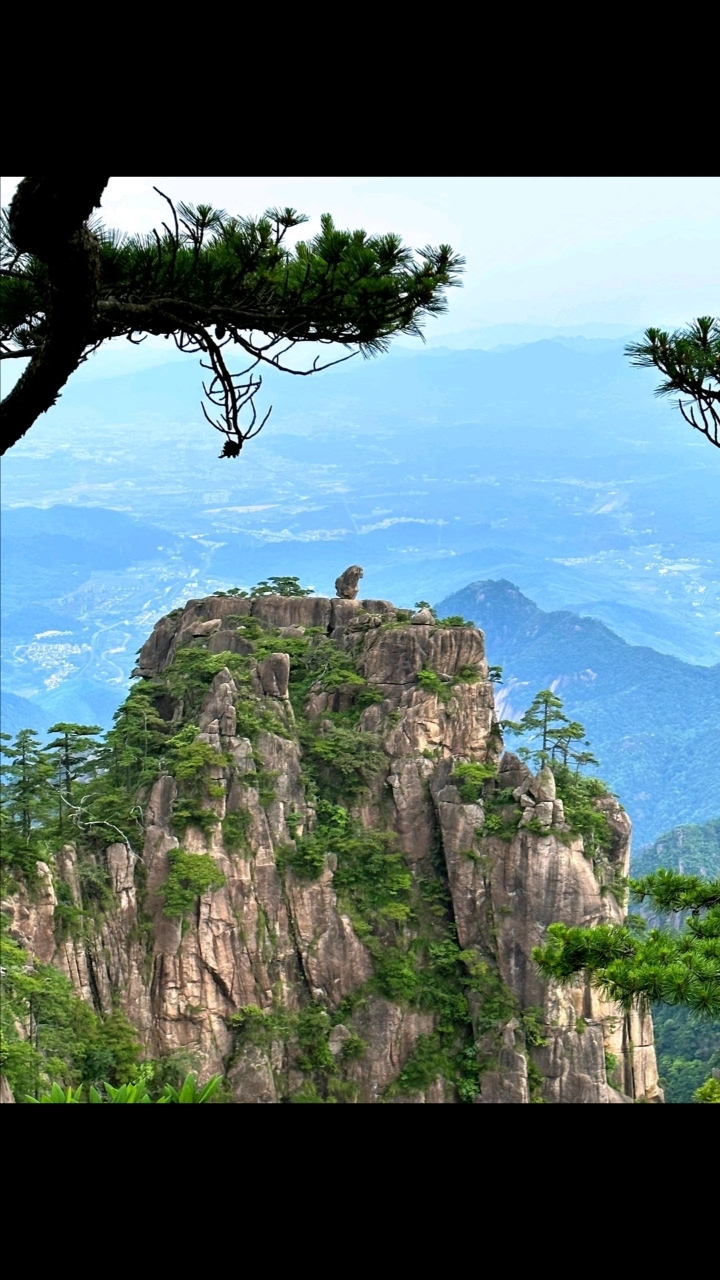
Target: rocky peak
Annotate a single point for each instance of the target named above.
(378, 871)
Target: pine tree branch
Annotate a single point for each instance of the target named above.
(81, 285)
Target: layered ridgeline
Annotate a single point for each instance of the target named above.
(308, 865)
(651, 718)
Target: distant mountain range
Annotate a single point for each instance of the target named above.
(550, 464)
(651, 719)
(692, 850)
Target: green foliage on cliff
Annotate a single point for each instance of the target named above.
(189, 812)
(47, 1033)
(370, 877)
(431, 682)
(454, 620)
(577, 792)
(439, 977)
(469, 778)
(428, 1062)
(344, 759)
(235, 828)
(187, 757)
(552, 732)
(304, 1036)
(191, 673)
(317, 663)
(191, 875)
(546, 725)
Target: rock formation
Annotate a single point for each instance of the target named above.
(371, 938)
(346, 586)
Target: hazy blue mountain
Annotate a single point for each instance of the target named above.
(20, 713)
(691, 850)
(652, 720)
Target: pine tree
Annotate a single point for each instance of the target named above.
(25, 779)
(561, 736)
(74, 757)
(634, 965)
(281, 586)
(690, 363)
(210, 279)
(543, 718)
(130, 750)
(26, 797)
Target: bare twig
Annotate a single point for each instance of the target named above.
(709, 429)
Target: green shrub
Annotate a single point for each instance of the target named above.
(469, 779)
(577, 793)
(247, 626)
(187, 757)
(67, 917)
(189, 812)
(395, 974)
(192, 672)
(313, 1026)
(353, 758)
(536, 1081)
(428, 1060)
(430, 681)
(708, 1092)
(467, 673)
(371, 873)
(248, 719)
(191, 875)
(261, 780)
(306, 858)
(353, 1047)
(235, 829)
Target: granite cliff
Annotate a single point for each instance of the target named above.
(336, 876)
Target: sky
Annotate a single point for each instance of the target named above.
(599, 256)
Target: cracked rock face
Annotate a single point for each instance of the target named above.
(271, 940)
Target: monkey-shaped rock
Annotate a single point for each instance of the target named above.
(346, 586)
